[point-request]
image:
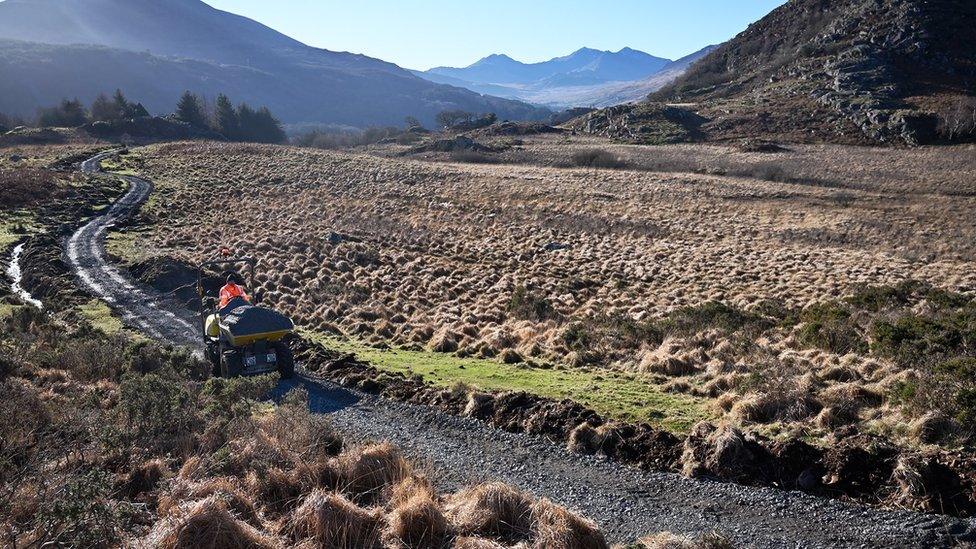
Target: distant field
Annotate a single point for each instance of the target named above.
(702, 284)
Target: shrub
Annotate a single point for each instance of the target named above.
(235, 397)
(613, 332)
(598, 158)
(830, 326)
(712, 315)
(878, 298)
(912, 339)
(81, 513)
(145, 357)
(527, 305)
(21, 187)
(472, 157)
(156, 410)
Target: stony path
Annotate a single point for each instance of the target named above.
(627, 503)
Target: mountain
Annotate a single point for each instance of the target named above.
(613, 93)
(860, 71)
(155, 49)
(554, 82)
(584, 66)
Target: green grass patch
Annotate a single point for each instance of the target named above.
(122, 165)
(14, 226)
(100, 316)
(7, 309)
(126, 246)
(616, 395)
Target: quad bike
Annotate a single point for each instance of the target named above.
(243, 338)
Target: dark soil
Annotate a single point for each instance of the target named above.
(857, 467)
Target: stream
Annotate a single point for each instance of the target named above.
(13, 271)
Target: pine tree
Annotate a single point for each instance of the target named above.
(69, 113)
(191, 111)
(247, 123)
(73, 113)
(103, 109)
(121, 105)
(269, 128)
(225, 118)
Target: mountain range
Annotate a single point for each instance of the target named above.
(156, 49)
(586, 77)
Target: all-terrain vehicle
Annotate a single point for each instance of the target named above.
(243, 338)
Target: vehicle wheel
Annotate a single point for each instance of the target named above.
(286, 360)
(232, 363)
(213, 356)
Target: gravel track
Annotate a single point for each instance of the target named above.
(626, 502)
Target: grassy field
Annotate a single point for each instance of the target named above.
(617, 395)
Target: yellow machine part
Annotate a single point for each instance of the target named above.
(248, 339)
(211, 326)
(214, 330)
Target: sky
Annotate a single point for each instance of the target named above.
(420, 34)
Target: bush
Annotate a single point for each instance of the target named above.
(21, 187)
(81, 513)
(598, 158)
(235, 397)
(911, 340)
(712, 315)
(472, 157)
(878, 298)
(831, 327)
(527, 305)
(343, 139)
(156, 409)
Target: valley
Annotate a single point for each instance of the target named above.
(603, 300)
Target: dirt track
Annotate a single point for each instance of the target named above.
(627, 503)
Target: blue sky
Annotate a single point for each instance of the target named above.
(420, 34)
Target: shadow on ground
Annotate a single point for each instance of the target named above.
(322, 398)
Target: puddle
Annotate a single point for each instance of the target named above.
(13, 271)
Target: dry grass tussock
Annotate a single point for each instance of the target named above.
(668, 540)
(89, 477)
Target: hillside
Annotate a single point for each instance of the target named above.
(586, 77)
(859, 71)
(186, 44)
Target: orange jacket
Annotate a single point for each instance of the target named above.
(229, 292)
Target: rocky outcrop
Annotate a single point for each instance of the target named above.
(894, 71)
(647, 123)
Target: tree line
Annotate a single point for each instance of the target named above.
(240, 123)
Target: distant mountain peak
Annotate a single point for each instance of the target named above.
(585, 66)
(494, 58)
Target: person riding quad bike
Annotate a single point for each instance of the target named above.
(232, 289)
(242, 338)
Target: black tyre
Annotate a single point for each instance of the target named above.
(213, 356)
(286, 360)
(232, 363)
